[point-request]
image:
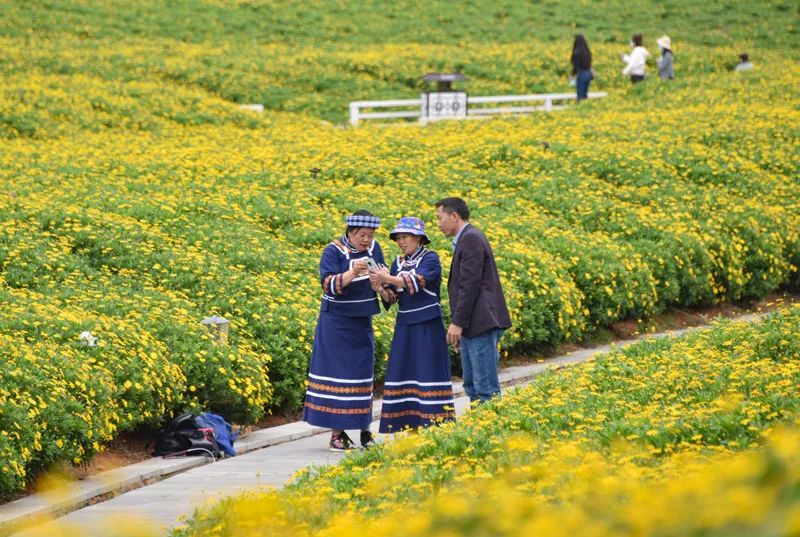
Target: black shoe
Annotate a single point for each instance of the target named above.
(340, 442)
(367, 440)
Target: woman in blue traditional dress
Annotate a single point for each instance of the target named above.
(339, 393)
(418, 388)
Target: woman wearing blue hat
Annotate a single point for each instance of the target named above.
(418, 388)
(339, 393)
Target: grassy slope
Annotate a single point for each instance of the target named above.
(315, 56)
(712, 23)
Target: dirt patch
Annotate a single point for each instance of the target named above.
(128, 448)
(271, 420)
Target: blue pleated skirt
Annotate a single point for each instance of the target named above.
(339, 392)
(418, 390)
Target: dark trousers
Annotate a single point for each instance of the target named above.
(582, 83)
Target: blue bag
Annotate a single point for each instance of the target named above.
(222, 431)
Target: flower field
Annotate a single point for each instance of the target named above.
(683, 436)
(137, 199)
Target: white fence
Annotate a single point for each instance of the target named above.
(356, 114)
(474, 106)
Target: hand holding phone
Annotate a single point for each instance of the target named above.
(359, 267)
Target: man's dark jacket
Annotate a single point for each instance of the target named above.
(476, 298)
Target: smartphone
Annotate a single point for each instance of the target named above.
(372, 264)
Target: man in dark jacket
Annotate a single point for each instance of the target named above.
(477, 305)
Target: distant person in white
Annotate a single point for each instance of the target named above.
(744, 63)
(635, 62)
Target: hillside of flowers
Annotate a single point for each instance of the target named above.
(682, 436)
(136, 198)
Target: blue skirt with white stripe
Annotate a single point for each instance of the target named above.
(339, 393)
(418, 389)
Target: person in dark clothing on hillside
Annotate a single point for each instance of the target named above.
(581, 66)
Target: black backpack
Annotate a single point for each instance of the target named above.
(183, 437)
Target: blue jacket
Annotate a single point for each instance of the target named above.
(419, 300)
(357, 299)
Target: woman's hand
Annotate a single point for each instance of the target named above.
(379, 275)
(385, 295)
(359, 268)
(376, 284)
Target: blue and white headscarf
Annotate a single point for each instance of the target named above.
(363, 221)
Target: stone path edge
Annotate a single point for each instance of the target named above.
(28, 511)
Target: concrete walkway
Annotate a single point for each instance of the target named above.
(266, 458)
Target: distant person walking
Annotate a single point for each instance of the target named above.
(477, 306)
(744, 63)
(666, 69)
(636, 61)
(581, 66)
(340, 378)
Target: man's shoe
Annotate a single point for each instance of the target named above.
(340, 442)
(367, 440)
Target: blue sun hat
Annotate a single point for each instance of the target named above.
(411, 225)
